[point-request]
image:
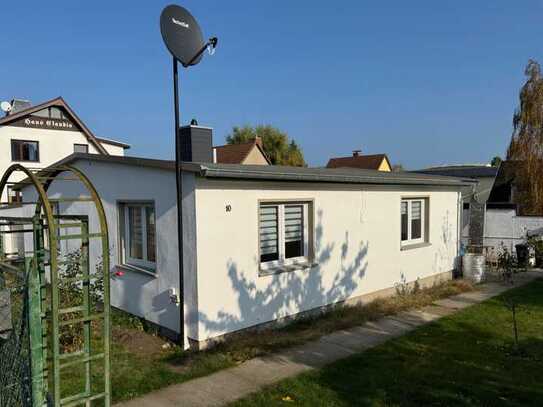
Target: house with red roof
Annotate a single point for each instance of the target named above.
(377, 162)
(249, 153)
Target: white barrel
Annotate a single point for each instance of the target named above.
(473, 266)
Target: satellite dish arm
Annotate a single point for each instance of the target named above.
(212, 42)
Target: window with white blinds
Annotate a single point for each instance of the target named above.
(269, 233)
(283, 233)
(413, 215)
(294, 231)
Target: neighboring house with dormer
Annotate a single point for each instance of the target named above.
(249, 153)
(37, 136)
(377, 162)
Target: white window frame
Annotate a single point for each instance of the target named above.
(282, 261)
(423, 208)
(130, 261)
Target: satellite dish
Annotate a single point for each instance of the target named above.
(181, 34)
(5, 106)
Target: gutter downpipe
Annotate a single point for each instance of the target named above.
(459, 227)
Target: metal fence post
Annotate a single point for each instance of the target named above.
(35, 331)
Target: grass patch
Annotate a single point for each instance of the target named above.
(247, 345)
(465, 359)
(140, 364)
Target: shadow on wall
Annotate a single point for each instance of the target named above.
(290, 292)
(443, 254)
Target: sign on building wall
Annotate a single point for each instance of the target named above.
(36, 122)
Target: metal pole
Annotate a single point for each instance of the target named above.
(179, 187)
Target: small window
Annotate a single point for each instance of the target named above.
(22, 150)
(413, 221)
(81, 148)
(283, 234)
(138, 234)
(55, 113)
(14, 196)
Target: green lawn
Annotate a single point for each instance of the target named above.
(136, 372)
(465, 359)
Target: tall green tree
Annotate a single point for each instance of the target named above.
(526, 147)
(277, 145)
(496, 161)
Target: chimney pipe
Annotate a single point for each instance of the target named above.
(196, 143)
(258, 140)
(356, 153)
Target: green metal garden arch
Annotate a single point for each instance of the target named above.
(46, 314)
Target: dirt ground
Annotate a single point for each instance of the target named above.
(140, 342)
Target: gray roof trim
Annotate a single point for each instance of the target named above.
(112, 142)
(339, 175)
(278, 173)
(116, 159)
(462, 171)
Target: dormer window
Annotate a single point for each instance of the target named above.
(24, 150)
(81, 148)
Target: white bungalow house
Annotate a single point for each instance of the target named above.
(264, 243)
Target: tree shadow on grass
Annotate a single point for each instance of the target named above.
(455, 361)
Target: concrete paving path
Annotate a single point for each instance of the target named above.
(234, 383)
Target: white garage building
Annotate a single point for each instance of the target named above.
(262, 243)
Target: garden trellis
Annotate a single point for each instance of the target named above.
(36, 312)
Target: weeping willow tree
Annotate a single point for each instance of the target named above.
(526, 147)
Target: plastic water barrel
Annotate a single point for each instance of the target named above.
(474, 267)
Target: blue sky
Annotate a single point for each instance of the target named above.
(425, 82)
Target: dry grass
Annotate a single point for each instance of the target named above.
(241, 347)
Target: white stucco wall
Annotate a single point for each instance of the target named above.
(112, 149)
(137, 292)
(503, 226)
(54, 145)
(356, 235)
(357, 249)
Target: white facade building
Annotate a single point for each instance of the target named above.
(38, 136)
(262, 243)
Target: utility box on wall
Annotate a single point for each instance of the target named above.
(196, 144)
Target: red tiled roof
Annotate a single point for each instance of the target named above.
(236, 153)
(367, 162)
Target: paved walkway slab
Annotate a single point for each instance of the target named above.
(231, 384)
